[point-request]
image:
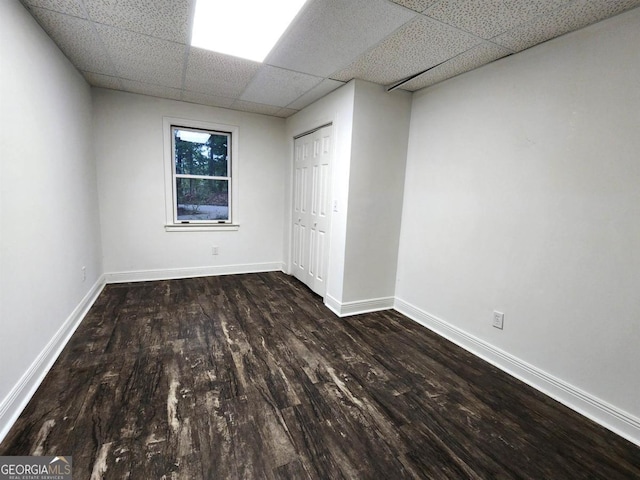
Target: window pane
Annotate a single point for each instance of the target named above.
(199, 152)
(201, 199)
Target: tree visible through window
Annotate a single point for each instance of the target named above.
(202, 175)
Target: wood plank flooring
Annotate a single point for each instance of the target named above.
(251, 377)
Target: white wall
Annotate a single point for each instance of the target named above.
(376, 182)
(48, 207)
(522, 195)
(370, 131)
(128, 130)
(336, 108)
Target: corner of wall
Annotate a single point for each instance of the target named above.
(17, 399)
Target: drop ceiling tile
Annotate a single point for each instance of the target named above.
(210, 100)
(77, 39)
(103, 81)
(70, 7)
(151, 90)
(488, 18)
(474, 58)
(142, 58)
(416, 5)
(576, 15)
(165, 19)
(255, 107)
(217, 74)
(326, 86)
(286, 112)
(279, 87)
(330, 34)
(417, 46)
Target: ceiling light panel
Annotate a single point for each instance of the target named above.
(330, 34)
(247, 29)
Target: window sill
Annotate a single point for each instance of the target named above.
(199, 227)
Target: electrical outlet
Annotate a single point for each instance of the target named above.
(214, 250)
(84, 274)
(498, 319)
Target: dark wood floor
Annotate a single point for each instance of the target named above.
(250, 376)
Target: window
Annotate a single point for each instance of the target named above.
(202, 175)
(199, 165)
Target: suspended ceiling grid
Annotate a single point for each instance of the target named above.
(143, 46)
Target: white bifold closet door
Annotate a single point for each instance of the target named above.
(312, 163)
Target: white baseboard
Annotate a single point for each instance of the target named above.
(610, 417)
(12, 405)
(175, 273)
(347, 309)
(332, 304)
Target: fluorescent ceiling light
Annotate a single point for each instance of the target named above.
(247, 29)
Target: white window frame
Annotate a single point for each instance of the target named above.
(171, 223)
